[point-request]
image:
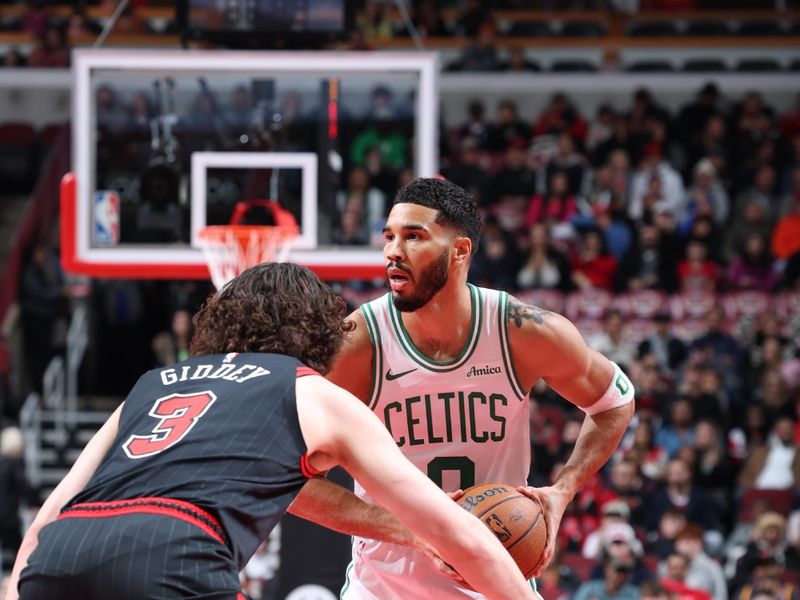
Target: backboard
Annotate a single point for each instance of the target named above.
(167, 142)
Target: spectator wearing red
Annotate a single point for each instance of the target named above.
(786, 238)
(545, 439)
(556, 206)
(561, 117)
(592, 265)
(579, 519)
(697, 271)
(674, 581)
(703, 573)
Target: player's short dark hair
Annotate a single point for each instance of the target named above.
(456, 207)
(280, 308)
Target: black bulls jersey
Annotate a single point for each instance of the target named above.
(218, 431)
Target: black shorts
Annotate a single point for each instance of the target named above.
(140, 549)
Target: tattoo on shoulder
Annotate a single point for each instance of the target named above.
(523, 312)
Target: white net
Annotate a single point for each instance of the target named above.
(230, 249)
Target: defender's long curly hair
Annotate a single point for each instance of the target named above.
(279, 308)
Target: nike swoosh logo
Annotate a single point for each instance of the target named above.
(392, 376)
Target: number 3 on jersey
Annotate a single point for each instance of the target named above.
(177, 414)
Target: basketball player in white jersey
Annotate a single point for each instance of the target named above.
(447, 367)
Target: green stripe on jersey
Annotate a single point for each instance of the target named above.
(346, 579)
(377, 355)
(441, 366)
(505, 346)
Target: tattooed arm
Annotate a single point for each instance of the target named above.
(546, 345)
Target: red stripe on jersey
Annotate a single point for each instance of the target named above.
(306, 469)
(305, 371)
(155, 506)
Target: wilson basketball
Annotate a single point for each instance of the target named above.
(516, 520)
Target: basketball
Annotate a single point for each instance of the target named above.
(516, 520)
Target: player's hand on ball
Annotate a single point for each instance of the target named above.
(554, 503)
(455, 496)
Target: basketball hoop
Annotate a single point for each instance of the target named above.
(230, 249)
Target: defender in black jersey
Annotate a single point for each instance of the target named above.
(175, 492)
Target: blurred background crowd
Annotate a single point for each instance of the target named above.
(670, 236)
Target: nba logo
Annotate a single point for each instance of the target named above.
(106, 218)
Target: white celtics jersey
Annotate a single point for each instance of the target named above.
(462, 422)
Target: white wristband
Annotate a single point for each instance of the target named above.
(619, 393)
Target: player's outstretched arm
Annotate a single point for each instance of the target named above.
(335, 507)
(546, 345)
(77, 478)
(338, 429)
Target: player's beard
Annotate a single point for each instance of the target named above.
(429, 282)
